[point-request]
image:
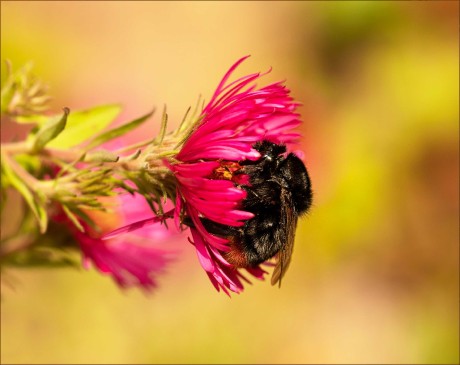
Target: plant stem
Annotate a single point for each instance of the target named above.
(14, 148)
(63, 155)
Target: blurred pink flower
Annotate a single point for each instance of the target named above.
(130, 259)
(238, 115)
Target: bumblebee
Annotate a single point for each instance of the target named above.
(279, 191)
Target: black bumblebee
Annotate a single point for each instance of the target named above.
(279, 192)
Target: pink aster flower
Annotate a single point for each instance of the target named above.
(238, 115)
(131, 260)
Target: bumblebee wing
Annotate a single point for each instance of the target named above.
(289, 221)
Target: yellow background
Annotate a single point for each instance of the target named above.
(374, 276)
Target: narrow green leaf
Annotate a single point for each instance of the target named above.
(97, 189)
(36, 207)
(32, 119)
(91, 201)
(133, 156)
(41, 256)
(49, 131)
(126, 187)
(81, 125)
(116, 132)
(73, 218)
(7, 90)
(86, 218)
(188, 132)
(182, 123)
(62, 194)
(40, 199)
(101, 156)
(90, 176)
(69, 166)
(164, 124)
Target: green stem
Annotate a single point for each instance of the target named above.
(16, 148)
(63, 155)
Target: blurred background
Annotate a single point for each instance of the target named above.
(374, 277)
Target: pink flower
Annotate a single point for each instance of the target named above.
(129, 259)
(238, 115)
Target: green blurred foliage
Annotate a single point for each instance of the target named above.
(374, 277)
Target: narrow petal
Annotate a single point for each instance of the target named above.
(137, 225)
(224, 80)
(238, 115)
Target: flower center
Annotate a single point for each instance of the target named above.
(226, 170)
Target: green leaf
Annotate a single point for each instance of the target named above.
(81, 125)
(7, 90)
(101, 156)
(86, 218)
(73, 218)
(164, 124)
(49, 131)
(133, 156)
(32, 119)
(42, 256)
(34, 203)
(116, 132)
